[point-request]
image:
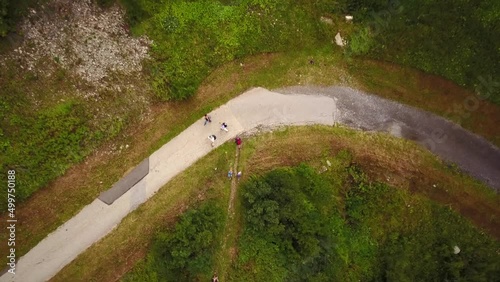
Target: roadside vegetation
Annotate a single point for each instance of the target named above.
(300, 225)
(56, 139)
(47, 126)
(454, 39)
(371, 213)
(194, 37)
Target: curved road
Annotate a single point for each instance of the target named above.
(244, 113)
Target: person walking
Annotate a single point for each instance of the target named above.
(237, 140)
(223, 126)
(207, 119)
(212, 139)
(230, 174)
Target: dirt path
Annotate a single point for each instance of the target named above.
(228, 250)
(254, 108)
(234, 184)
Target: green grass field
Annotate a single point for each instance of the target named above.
(300, 225)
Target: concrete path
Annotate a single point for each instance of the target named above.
(244, 113)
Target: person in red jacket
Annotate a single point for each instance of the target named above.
(237, 140)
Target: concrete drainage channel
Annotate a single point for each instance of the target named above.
(124, 184)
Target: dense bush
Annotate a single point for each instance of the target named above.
(416, 239)
(300, 226)
(287, 234)
(193, 37)
(455, 39)
(185, 253)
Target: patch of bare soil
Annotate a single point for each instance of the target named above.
(76, 50)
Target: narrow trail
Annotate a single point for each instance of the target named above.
(227, 253)
(234, 184)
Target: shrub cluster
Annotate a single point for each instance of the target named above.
(186, 252)
(455, 39)
(299, 226)
(193, 37)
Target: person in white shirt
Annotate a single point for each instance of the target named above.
(212, 139)
(223, 126)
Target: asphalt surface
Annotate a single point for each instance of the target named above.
(471, 153)
(254, 108)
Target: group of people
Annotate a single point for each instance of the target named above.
(223, 127)
(230, 174)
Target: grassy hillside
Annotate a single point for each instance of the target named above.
(68, 85)
(303, 226)
(365, 193)
(52, 118)
(80, 185)
(194, 37)
(300, 225)
(455, 39)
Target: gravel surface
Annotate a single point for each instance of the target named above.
(90, 42)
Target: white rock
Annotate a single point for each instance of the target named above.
(338, 40)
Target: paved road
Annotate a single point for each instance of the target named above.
(472, 153)
(244, 113)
